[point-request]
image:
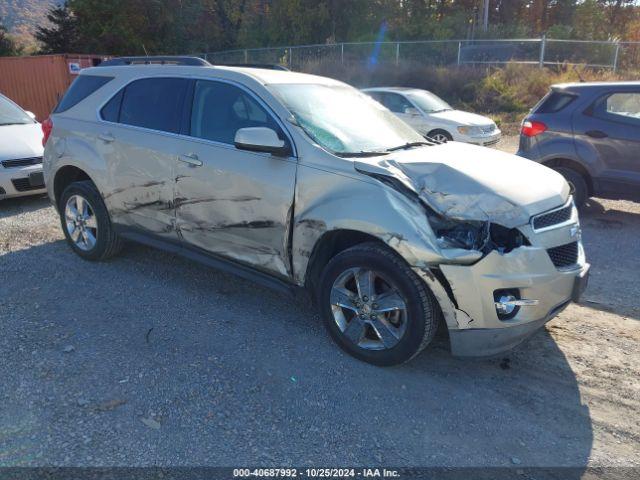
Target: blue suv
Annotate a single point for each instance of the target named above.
(590, 133)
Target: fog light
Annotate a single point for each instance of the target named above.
(505, 305)
(508, 303)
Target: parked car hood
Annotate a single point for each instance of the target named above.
(458, 117)
(20, 141)
(468, 182)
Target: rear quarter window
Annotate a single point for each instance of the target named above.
(111, 111)
(555, 102)
(621, 107)
(81, 88)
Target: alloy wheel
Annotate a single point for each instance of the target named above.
(81, 222)
(440, 137)
(368, 309)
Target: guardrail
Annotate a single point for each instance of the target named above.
(535, 51)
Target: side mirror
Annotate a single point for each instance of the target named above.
(261, 139)
(31, 114)
(414, 112)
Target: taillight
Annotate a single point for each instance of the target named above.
(47, 126)
(531, 128)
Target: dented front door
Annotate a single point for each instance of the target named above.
(231, 202)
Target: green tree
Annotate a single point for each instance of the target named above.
(62, 36)
(7, 45)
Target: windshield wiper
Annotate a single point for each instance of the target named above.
(408, 145)
(11, 123)
(372, 153)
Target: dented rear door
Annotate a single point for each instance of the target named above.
(230, 202)
(138, 141)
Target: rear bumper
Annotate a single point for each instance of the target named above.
(20, 182)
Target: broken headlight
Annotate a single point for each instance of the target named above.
(457, 234)
(476, 235)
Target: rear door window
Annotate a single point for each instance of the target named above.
(81, 88)
(555, 102)
(154, 103)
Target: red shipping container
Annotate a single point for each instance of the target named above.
(37, 83)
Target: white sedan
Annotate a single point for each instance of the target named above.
(20, 152)
(434, 118)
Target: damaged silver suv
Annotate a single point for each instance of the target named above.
(299, 181)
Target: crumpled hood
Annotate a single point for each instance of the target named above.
(467, 182)
(20, 141)
(458, 117)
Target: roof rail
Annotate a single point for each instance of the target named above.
(156, 60)
(266, 66)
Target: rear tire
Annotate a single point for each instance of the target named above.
(577, 183)
(93, 238)
(394, 323)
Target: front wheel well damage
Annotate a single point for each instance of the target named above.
(327, 247)
(64, 177)
(573, 165)
(336, 241)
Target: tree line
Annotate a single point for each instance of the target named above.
(120, 27)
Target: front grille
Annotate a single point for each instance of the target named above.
(564, 255)
(491, 142)
(553, 218)
(23, 185)
(21, 162)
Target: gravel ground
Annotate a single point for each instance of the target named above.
(150, 359)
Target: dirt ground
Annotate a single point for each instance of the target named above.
(150, 359)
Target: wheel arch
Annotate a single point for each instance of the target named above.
(328, 246)
(573, 165)
(66, 175)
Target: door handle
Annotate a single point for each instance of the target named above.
(191, 159)
(596, 134)
(106, 137)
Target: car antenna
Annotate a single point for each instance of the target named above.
(575, 69)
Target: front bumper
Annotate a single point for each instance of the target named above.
(18, 182)
(482, 140)
(474, 326)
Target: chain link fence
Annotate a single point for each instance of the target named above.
(535, 51)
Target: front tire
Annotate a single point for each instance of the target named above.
(375, 307)
(86, 223)
(439, 135)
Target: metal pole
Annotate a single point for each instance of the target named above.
(459, 52)
(485, 16)
(543, 43)
(342, 53)
(290, 57)
(397, 53)
(246, 56)
(615, 57)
